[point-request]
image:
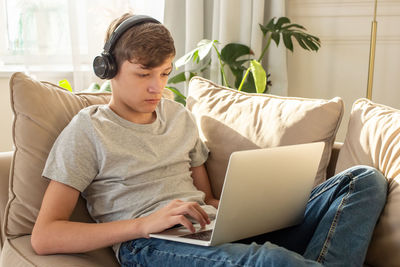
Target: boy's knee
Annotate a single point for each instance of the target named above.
(372, 179)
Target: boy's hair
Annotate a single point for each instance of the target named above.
(149, 44)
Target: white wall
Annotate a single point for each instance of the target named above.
(340, 67)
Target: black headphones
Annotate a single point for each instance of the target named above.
(104, 66)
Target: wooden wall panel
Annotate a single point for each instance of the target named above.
(340, 67)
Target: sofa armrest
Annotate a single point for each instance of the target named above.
(330, 171)
(5, 164)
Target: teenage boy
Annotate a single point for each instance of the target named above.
(139, 163)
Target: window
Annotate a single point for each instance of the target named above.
(66, 33)
(37, 27)
(37, 32)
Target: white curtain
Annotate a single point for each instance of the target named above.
(277, 64)
(228, 21)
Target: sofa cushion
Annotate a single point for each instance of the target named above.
(18, 252)
(41, 111)
(373, 138)
(230, 120)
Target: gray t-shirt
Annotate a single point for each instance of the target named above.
(126, 170)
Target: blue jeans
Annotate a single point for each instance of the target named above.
(337, 228)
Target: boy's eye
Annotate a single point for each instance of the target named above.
(167, 74)
(143, 74)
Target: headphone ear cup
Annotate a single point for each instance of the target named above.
(112, 67)
(104, 66)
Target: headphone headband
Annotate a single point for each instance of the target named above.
(104, 66)
(123, 27)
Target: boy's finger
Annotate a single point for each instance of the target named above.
(203, 213)
(181, 219)
(190, 210)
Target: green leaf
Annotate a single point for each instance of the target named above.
(264, 29)
(259, 75)
(301, 41)
(232, 51)
(94, 86)
(65, 84)
(315, 42)
(180, 100)
(311, 45)
(230, 55)
(287, 40)
(176, 91)
(270, 25)
(280, 22)
(283, 28)
(276, 37)
(179, 97)
(307, 41)
(199, 53)
(196, 56)
(249, 86)
(238, 74)
(181, 77)
(185, 58)
(191, 75)
(106, 86)
(239, 64)
(315, 39)
(205, 48)
(293, 26)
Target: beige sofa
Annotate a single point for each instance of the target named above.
(228, 120)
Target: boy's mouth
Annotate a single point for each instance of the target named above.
(152, 101)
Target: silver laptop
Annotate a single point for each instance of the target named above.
(264, 190)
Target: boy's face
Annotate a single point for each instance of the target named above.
(137, 90)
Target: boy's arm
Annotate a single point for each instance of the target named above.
(54, 233)
(201, 181)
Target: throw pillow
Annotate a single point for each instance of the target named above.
(373, 138)
(41, 111)
(230, 120)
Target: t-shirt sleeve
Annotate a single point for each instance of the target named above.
(198, 154)
(72, 159)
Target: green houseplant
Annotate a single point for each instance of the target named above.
(93, 87)
(240, 59)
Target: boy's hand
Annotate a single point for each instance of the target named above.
(173, 214)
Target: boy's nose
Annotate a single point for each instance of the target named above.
(155, 87)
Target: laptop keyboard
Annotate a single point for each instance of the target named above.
(205, 235)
